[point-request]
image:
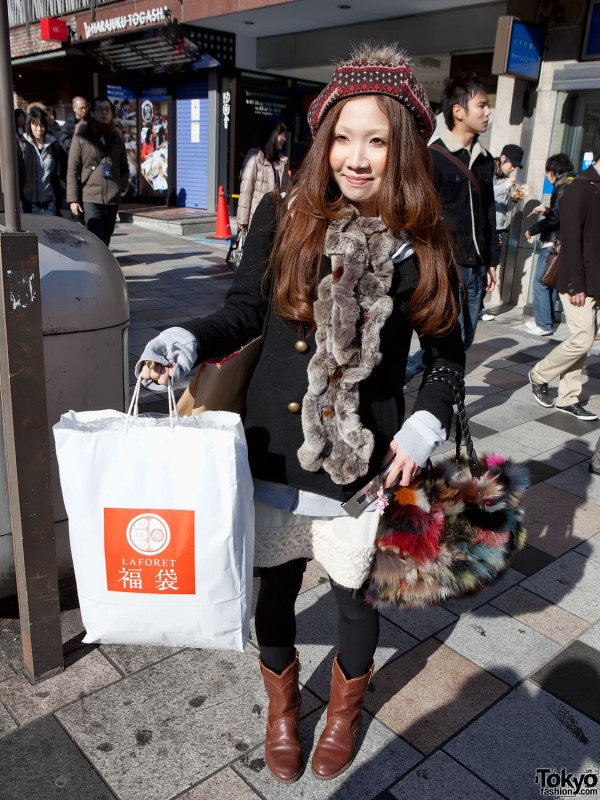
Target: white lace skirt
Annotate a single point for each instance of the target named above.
(344, 546)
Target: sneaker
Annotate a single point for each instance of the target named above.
(540, 392)
(530, 324)
(537, 331)
(577, 410)
(487, 317)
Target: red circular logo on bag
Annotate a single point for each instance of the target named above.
(148, 534)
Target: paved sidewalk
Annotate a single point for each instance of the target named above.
(469, 699)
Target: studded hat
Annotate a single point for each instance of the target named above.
(376, 70)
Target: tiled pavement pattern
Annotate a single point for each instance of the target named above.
(468, 700)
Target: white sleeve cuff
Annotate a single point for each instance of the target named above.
(420, 434)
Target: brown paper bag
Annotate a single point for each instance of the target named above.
(221, 385)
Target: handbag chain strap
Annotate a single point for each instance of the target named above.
(454, 380)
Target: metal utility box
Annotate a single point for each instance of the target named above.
(85, 318)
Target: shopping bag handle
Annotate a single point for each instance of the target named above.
(133, 405)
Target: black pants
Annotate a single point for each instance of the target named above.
(100, 219)
(358, 623)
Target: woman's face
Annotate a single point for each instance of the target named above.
(551, 176)
(280, 141)
(38, 129)
(506, 166)
(358, 154)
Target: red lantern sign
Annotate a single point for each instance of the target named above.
(53, 29)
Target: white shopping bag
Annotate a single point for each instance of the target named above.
(161, 525)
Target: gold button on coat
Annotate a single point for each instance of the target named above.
(294, 408)
(301, 346)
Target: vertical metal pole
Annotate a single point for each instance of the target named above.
(10, 178)
(24, 411)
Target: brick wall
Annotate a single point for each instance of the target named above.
(25, 42)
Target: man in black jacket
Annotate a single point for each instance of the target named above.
(79, 113)
(578, 287)
(463, 174)
(467, 191)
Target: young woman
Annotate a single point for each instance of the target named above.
(264, 170)
(41, 185)
(505, 183)
(336, 277)
(506, 195)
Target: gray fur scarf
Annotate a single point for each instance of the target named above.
(351, 308)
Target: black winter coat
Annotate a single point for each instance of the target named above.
(68, 131)
(457, 195)
(579, 263)
(273, 426)
(549, 226)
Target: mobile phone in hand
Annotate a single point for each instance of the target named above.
(356, 504)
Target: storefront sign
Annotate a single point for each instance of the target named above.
(125, 22)
(53, 30)
(226, 109)
(518, 49)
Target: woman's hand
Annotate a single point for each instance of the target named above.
(157, 373)
(76, 209)
(171, 354)
(540, 210)
(510, 182)
(403, 470)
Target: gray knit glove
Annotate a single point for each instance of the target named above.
(172, 346)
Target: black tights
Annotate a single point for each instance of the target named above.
(358, 623)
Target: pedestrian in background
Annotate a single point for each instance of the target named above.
(359, 259)
(98, 172)
(264, 169)
(79, 114)
(463, 173)
(53, 127)
(560, 173)
(20, 120)
(40, 191)
(506, 194)
(578, 285)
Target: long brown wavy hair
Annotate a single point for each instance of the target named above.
(407, 201)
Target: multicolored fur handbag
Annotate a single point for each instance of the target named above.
(454, 529)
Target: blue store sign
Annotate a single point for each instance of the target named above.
(525, 50)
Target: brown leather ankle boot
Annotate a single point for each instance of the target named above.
(283, 754)
(335, 748)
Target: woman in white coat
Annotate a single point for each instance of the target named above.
(264, 169)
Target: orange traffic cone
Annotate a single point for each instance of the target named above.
(223, 230)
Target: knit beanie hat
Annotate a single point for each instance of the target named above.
(376, 70)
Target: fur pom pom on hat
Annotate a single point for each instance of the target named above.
(376, 70)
